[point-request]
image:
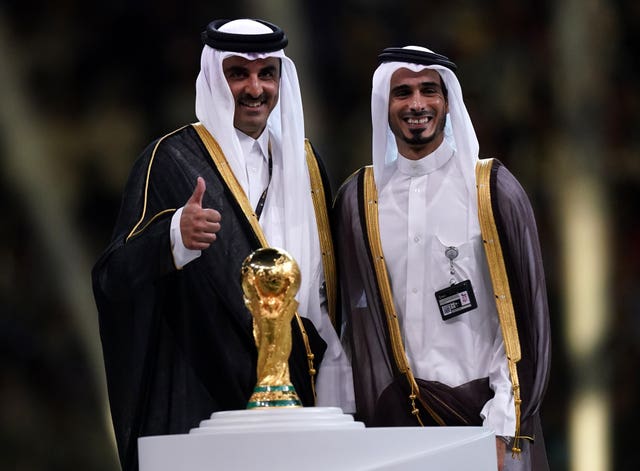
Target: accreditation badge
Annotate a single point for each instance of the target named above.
(456, 299)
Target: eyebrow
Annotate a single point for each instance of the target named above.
(399, 88)
(235, 68)
(269, 68)
(404, 86)
(243, 69)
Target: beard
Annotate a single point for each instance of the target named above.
(417, 139)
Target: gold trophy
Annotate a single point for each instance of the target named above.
(270, 281)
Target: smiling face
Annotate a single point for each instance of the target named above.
(417, 111)
(255, 86)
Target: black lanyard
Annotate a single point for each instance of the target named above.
(263, 196)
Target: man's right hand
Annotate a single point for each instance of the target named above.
(198, 225)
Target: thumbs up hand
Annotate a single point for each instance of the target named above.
(198, 225)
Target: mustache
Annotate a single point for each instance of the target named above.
(420, 114)
(249, 97)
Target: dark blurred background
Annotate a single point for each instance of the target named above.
(551, 87)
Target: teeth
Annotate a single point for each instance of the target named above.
(418, 121)
(252, 105)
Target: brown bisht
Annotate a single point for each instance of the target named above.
(386, 392)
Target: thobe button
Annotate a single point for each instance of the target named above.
(414, 290)
(416, 239)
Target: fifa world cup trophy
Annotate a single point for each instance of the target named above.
(270, 281)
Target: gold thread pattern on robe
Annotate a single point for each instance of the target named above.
(500, 283)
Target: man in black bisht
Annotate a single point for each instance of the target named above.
(444, 300)
(176, 336)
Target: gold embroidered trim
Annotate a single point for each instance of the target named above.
(135, 230)
(229, 178)
(324, 231)
(399, 354)
(156, 216)
(500, 282)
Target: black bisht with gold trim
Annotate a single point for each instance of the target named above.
(178, 344)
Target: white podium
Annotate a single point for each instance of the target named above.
(315, 439)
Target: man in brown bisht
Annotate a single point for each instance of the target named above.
(443, 292)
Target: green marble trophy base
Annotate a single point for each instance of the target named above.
(274, 396)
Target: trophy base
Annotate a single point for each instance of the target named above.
(274, 396)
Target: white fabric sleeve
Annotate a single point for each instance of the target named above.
(499, 412)
(181, 254)
(334, 383)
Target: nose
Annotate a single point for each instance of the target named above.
(417, 102)
(254, 87)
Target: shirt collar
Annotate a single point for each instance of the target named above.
(427, 164)
(248, 143)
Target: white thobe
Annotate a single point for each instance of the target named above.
(256, 154)
(424, 208)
